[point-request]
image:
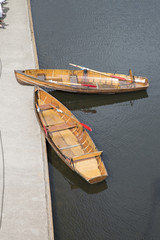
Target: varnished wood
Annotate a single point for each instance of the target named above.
(68, 138)
(81, 81)
(60, 127)
(88, 155)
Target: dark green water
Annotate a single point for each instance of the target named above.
(110, 36)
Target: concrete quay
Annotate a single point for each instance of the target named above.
(25, 205)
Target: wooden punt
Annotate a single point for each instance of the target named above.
(82, 81)
(68, 138)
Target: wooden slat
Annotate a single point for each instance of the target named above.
(71, 146)
(63, 139)
(71, 139)
(60, 127)
(89, 168)
(45, 107)
(88, 155)
(59, 79)
(51, 117)
(57, 138)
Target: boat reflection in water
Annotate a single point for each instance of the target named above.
(86, 103)
(74, 180)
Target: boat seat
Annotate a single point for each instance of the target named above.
(87, 156)
(46, 107)
(60, 127)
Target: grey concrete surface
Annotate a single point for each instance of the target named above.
(25, 210)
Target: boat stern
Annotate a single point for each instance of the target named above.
(97, 179)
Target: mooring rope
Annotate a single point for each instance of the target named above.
(3, 179)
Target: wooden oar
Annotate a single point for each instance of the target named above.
(78, 84)
(84, 68)
(60, 111)
(112, 76)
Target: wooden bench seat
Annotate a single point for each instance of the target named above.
(60, 127)
(86, 156)
(45, 107)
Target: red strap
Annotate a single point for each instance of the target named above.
(45, 130)
(89, 85)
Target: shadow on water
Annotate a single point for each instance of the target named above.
(86, 102)
(74, 180)
(154, 214)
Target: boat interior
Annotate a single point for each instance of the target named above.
(69, 137)
(83, 78)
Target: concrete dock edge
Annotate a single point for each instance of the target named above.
(47, 188)
(32, 34)
(25, 199)
(44, 149)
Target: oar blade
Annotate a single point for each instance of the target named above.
(87, 127)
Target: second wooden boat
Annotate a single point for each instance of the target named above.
(82, 81)
(68, 137)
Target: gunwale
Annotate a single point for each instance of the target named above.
(90, 83)
(73, 145)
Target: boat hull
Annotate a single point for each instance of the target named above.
(90, 84)
(69, 140)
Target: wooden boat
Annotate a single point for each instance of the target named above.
(68, 138)
(82, 81)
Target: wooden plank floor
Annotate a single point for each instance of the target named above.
(88, 167)
(66, 138)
